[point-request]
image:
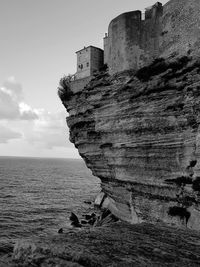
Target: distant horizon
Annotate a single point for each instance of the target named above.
(2, 156)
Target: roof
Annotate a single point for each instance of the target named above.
(89, 47)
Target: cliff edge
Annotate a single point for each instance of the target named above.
(138, 131)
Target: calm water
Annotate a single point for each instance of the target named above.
(37, 195)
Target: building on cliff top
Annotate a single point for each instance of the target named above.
(130, 42)
(134, 40)
(89, 60)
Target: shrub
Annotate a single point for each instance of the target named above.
(104, 67)
(64, 91)
(196, 184)
(159, 66)
(180, 212)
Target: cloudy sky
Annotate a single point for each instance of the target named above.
(38, 40)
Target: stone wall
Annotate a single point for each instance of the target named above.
(78, 85)
(151, 31)
(105, 43)
(96, 62)
(170, 30)
(123, 42)
(89, 59)
(180, 28)
(83, 63)
(132, 42)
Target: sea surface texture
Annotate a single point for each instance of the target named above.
(37, 196)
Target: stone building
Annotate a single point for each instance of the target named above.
(131, 41)
(134, 40)
(89, 60)
(180, 28)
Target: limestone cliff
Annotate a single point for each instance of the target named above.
(139, 133)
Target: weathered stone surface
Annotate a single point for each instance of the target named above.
(172, 29)
(180, 28)
(139, 133)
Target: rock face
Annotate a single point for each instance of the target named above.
(139, 133)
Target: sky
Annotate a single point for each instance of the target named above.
(38, 41)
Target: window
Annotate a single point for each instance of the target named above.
(80, 66)
(87, 64)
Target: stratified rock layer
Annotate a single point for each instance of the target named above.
(139, 133)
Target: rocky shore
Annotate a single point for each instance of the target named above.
(116, 244)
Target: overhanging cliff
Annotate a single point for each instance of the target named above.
(139, 133)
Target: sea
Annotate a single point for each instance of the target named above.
(37, 196)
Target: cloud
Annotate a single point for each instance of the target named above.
(14, 88)
(27, 113)
(37, 127)
(12, 106)
(7, 134)
(8, 108)
(50, 130)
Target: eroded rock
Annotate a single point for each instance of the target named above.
(139, 133)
